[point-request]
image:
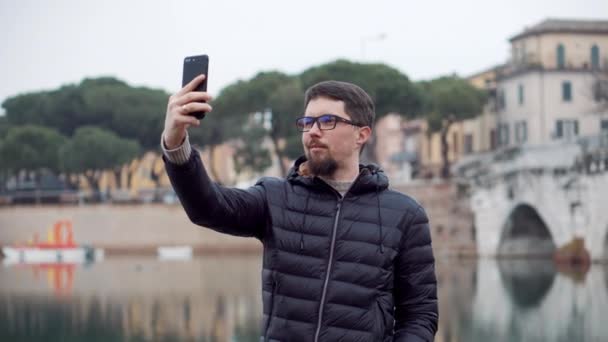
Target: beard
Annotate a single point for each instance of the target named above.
(322, 166)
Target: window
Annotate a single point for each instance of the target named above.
(595, 57)
(502, 104)
(493, 139)
(521, 132)
(455, 143)
(566, 129)
(604, 126)
(503, 134)
(520, 92)
(468, 143)
(600, 90)
(561, 56)
(566, 91)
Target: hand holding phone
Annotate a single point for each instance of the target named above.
(187, 106)
(194, 66)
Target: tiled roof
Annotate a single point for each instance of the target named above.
(564, 26)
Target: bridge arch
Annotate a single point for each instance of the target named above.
(525, 233)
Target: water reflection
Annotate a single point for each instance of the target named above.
(523, 300)
(218, 299)
(527, 281)
(209, 299)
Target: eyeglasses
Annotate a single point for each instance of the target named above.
(325, 122)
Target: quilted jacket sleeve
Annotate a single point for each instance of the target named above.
(226, 210)
(416, 312)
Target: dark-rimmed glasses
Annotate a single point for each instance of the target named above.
(325, 122)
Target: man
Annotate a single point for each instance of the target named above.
(345, 258)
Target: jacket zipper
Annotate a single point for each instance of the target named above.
(329, 263)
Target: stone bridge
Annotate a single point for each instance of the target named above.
(541, 199)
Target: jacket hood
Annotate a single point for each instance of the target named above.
(371, 177)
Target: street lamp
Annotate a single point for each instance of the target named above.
(375, 38)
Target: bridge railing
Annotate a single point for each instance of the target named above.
(587, 154)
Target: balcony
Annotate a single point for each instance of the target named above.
(517, 67)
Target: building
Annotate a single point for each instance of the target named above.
(407, 149)
(545, 91)
(479, 134)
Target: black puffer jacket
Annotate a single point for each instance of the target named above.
(358, 268)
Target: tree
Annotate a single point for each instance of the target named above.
(267, 92)
(391, 91)
(283, 96)
(4, 126)
(131, 112)
(287, 104)
(31, 148)
(450, 99)
(224, 123)
(93, 149)
(280, 95)
(251, 154)
(29, 108)
(3, 169)
(293, 146)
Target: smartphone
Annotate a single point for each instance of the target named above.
(194, 66)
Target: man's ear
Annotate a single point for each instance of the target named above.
(364, 135)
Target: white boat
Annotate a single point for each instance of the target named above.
(33, 254)
(175, 253)
(59, 248)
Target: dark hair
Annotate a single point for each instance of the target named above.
(357, 103)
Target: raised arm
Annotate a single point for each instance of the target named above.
(227, 210)
(231, 211)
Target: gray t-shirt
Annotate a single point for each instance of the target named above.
(340, 186)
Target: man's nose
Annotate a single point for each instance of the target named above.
(315, 129)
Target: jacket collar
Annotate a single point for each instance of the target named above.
(371, 177)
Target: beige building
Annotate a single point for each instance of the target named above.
(406, 149)
(479, 134)
(545, 92)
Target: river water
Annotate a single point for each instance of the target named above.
(217, 298)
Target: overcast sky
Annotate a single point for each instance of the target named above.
(44, 44)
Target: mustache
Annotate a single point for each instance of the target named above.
(316, 144)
